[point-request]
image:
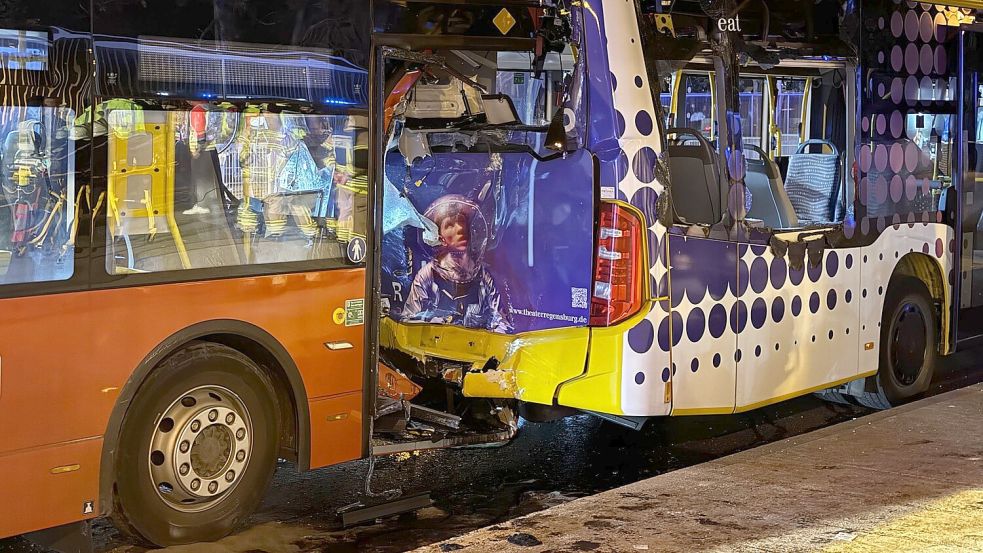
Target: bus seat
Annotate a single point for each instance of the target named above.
(769, 202)
(813, 183)
(944, 161)
(697, 191)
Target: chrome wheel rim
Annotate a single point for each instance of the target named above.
(200, 448)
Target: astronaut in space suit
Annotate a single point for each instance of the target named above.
(455, 287)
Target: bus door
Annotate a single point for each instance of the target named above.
(971, 171)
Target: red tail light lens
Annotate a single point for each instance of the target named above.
(618, 266)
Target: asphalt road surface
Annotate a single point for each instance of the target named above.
(471, 488)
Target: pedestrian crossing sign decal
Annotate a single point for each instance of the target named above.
(356, 250)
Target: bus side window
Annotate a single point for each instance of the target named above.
(38, 201)
(213, 187)
(788, 115)
(696, 105)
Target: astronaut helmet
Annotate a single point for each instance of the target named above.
(461, 228)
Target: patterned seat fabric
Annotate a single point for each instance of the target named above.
(813, 184)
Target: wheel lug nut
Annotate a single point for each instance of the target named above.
(184, 469)
(212, 487)
(195, 426)
(184, 447)
(213, 415)
(230, 418)
(195, 484)
(230, 476)
(241, 433)
(241, 456)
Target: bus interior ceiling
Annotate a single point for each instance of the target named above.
(464, 131)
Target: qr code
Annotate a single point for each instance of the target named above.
(578, 298)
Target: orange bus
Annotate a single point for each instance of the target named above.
(185, 239)
(182, 236)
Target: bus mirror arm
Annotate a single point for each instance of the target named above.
(557, 138)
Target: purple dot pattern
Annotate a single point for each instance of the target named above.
(630, 152)
(913, 61)
(724, 300)
(772, 320)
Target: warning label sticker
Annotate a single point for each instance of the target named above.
(354, 312)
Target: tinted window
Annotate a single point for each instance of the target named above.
(43, 91)
(312, 51)
(696, 111)
(230, 136)
(752, 105)
(38, 206)
(211, 187)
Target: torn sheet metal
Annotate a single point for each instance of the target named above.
(496, 383)
(434, 417)
(413, 146)
(529, 367)
(396, 385)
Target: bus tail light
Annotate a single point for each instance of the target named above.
(618, 265)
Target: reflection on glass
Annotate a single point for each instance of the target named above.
(225, 187)
(751, 105)
(913, 170)
(23, 50)
(39, 202)
(529, 95)
(788, 113)
(698, 111)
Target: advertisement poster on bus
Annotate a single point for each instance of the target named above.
(501, 242)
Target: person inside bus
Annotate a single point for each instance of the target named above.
(455, 287)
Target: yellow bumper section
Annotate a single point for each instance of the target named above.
(531, 366)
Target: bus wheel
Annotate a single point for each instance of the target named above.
(909, 345)
(832, 396)
(197, 449)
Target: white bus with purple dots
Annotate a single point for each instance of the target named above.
(784, 204)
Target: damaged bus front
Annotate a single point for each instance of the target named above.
(501, 265)
(646, 208)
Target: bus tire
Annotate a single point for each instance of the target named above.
(197, 448)
(909, 346)
(830, 395)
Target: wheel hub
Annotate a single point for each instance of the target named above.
(211, 450)
(909, 344)
(200, 448)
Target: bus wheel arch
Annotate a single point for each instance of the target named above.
(248, 339)
(912, 333)
(928, 270)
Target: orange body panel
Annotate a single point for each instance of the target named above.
(41, 490)
(64, 359)
(339, 421)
